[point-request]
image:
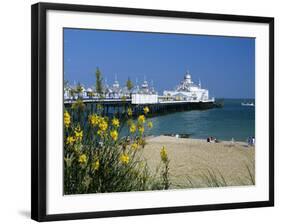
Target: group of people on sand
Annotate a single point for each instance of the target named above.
(212, 140)
(250, 140)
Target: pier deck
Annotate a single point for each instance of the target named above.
(117, 107)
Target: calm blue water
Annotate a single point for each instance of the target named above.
(231, 121)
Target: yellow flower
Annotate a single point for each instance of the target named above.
(141, 142)
(124, 158)
(103, 125)
(114, 135)
(70, 140)
(133, 128)
(94, 119)
(146, 110)
(141, 119)
(96, 165)
(66, 119)
(150, 124)
(82, 159)
(163, 154)
(141, 129)
(130, 112)
(134, 146)
(78, 134)
(115, 122)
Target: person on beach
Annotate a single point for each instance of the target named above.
(253, 140)
(212, 140)
(232, 142)
(249, 141)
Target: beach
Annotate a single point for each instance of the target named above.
(197, 163)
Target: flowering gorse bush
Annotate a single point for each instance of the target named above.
(165, 170)
(98, 159)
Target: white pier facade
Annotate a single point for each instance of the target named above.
(186, 92)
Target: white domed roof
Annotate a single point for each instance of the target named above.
(116, 84)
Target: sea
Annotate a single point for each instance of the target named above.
(231, 121)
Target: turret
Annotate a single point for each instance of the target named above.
(144, 85)
(116, 83)
(187, 78)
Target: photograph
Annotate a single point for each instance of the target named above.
(149, 111)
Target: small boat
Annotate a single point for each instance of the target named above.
(248, 104)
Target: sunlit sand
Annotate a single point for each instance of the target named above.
(191, 159)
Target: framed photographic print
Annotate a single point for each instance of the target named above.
(139, 111)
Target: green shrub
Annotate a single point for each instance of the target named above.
(98, 159)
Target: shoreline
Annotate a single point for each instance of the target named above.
(189, 137)
(195, 159)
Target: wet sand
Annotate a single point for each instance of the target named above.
(196, 163)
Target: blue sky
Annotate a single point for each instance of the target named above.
(225, 65)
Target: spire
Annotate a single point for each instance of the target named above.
(116, 83)
(199, 83)
(151, 86)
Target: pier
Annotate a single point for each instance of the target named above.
(116, 100)
(117, 107)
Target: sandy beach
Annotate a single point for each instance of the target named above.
(195, 163)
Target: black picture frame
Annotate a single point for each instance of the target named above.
(39, 122)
